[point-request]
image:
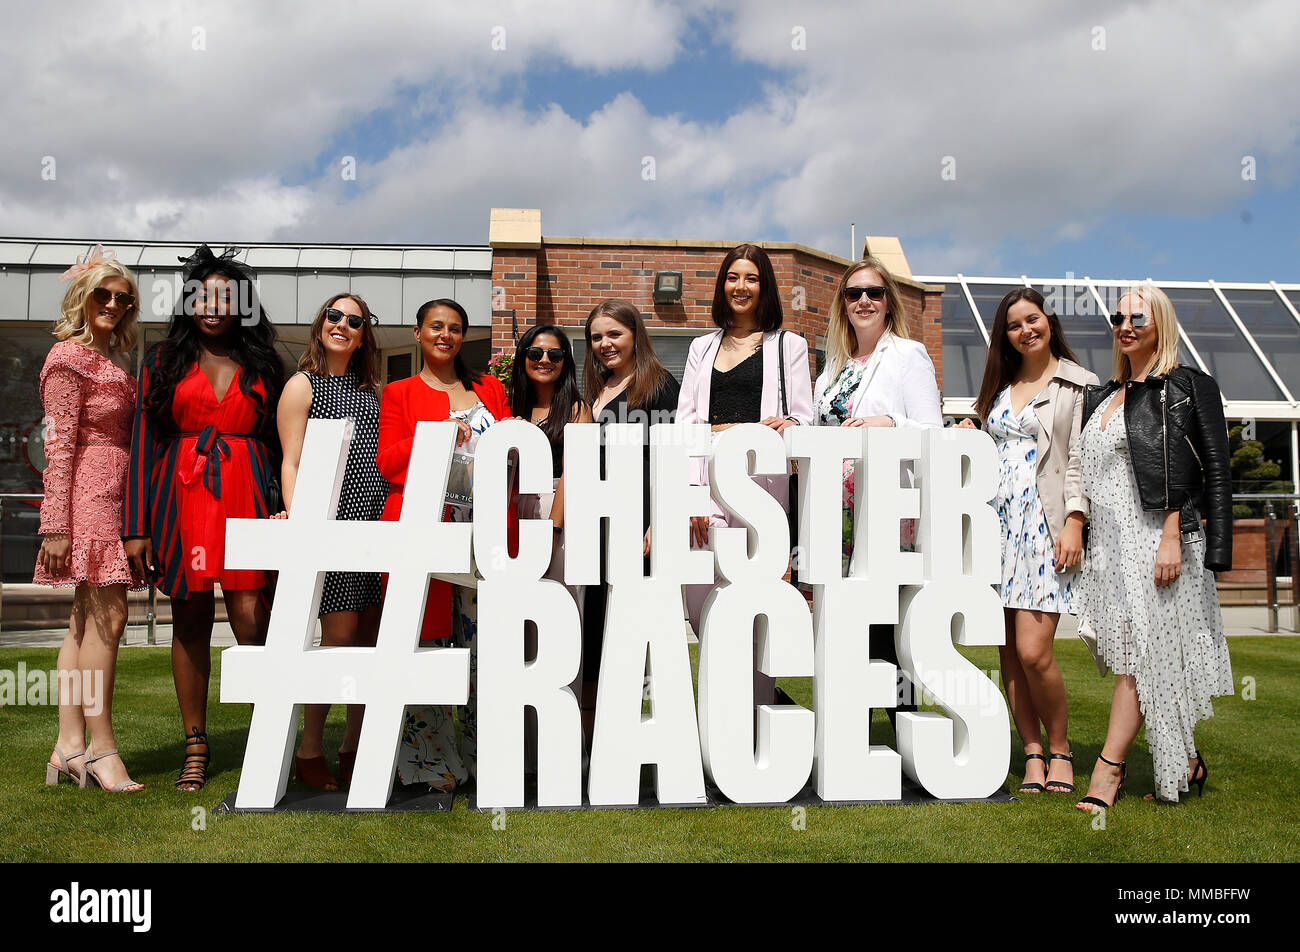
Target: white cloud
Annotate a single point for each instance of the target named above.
(1049, 135)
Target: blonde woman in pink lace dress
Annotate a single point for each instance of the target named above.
(89, 400)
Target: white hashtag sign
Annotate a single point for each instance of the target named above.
(289, 672)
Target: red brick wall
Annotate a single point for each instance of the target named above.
(560, 283)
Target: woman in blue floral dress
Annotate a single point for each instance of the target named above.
(1031, 402)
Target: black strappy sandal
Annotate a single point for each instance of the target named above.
(1096, 803)
(1061, 786)
(1034, 787)
(194, 771)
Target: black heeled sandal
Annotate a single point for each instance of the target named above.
(1197, 779)
(1096, 803)
(1034, 787)
(194, 770)
(1061, 786)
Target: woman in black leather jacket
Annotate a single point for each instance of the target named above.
(1155, 462)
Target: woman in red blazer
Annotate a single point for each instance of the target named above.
(444, 389)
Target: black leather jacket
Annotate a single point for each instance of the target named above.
(1178, 444)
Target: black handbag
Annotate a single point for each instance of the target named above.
(792, 509)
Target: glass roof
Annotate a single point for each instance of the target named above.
(963, 346)
(1221, 347)
(1274, 329)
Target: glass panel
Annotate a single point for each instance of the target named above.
(1086, 329)
(1227, 356)
(1274, 330)
(988, 297)
(22, 454)
(964, 351)
(1264, 467)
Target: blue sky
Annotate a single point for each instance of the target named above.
(1105, 141)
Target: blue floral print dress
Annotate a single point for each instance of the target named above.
(1029, 578)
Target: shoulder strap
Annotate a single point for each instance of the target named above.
(780, 358)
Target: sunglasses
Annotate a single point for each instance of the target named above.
(876, 293)
(124, 299)
(535, 354)
(1139, 320)
(334, 315)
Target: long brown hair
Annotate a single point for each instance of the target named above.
(365, 359)
(768, 313)
(1004, 360)
(648, 374)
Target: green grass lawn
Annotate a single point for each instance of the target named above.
(1248, 813)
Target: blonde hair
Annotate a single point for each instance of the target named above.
(841, 339)
(1162, 313)
(72, 323)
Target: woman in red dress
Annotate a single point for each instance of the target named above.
(444, 389)
(87, 398)
(204, 450)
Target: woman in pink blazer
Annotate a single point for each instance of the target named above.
(747, 371)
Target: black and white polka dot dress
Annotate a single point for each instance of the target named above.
(1169, 639)
(364, 490)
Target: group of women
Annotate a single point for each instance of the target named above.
(142, 477)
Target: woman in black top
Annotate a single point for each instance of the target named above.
(625, 383)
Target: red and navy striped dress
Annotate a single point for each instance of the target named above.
(186, 480)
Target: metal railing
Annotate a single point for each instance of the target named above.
(151, 598)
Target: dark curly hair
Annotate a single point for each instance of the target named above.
(251, 342)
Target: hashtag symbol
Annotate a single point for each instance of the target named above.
(288, 672)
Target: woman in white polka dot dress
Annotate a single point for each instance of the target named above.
(1155, 460)
(338, 380)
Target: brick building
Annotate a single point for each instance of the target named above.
(538, 279)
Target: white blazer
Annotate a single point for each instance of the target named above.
(899, 381)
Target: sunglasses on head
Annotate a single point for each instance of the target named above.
(334, 315)
(124, 299)
(875, 292)
(1138, 320)
(535, 354)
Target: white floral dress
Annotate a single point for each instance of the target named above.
(430, 751)
(1029, 578)
(1169, 639)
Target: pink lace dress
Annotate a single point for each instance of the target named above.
(88, 402)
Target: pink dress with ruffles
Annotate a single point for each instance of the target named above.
(88, 402)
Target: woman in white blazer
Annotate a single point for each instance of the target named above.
(875, 375)
(1031, 403)
(747, 371)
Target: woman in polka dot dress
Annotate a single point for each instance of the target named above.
(338, 379)
(1155, 461)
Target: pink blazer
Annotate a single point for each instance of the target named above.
(693, 400)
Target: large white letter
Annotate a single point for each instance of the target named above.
(643, 623)
(673, 500)
(512, 592)
(847, 685)
(785, 732)
(589, 499)
(880, 504)
(821, 452)
(964, 755)
(959, 533)
(506, 683)
(761, 548)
